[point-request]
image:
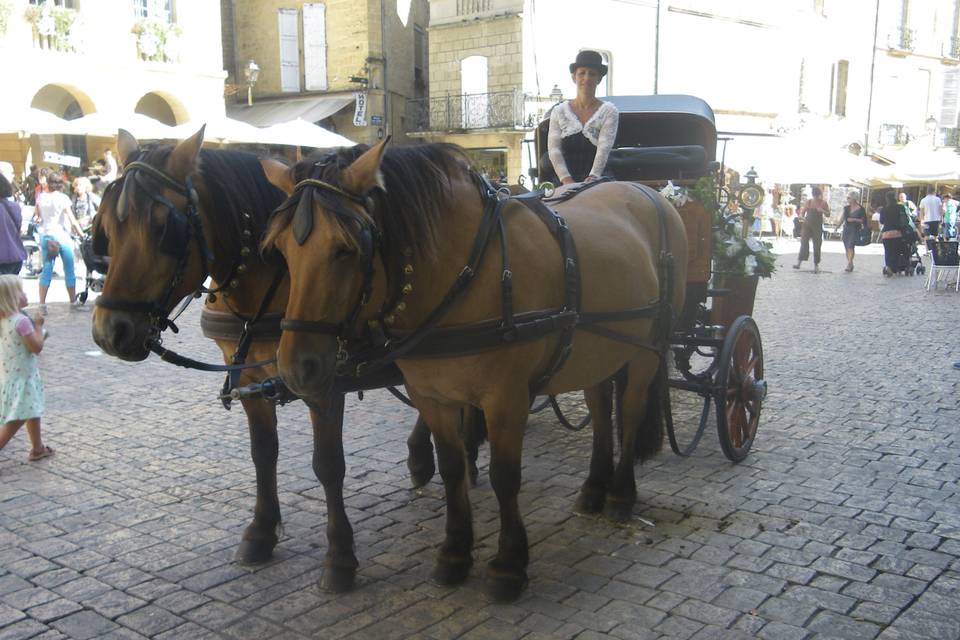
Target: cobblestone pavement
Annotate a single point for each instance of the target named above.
(844, 521)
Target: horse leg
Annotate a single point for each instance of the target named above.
(420, 454)
(456, 553)
(474, 434)
(639, 430)
(261, 535)
(340, 563)
(599, 400)
(507, 572)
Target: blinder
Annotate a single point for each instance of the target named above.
(175, 237)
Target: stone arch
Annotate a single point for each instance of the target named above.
(162, 106)
(69, 103)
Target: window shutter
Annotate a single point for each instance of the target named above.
(948, 110)
(289, 50)
(315, 46)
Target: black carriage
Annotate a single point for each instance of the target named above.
(716, 350)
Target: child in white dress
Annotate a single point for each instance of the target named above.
(21, 391)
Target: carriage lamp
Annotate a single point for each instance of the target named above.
(250, 73)
(750, 197)
(556, 94)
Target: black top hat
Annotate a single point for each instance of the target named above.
(588, 58)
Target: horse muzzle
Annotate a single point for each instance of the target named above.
(308, 375)
(121, 334)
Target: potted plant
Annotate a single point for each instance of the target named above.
(51, 26)
(157, 41)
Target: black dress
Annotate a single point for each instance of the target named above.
(894, 249)
(579, 154)
(851, 229)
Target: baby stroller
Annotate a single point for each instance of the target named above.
(96, 266)
(914, 263)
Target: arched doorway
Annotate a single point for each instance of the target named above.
(163, 108)
(68, 103)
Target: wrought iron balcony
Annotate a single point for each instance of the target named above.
(902, 39)
(894, 134)
(498, 110)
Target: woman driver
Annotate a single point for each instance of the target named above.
(582, 130)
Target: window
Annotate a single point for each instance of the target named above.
(289, 50)
(419, 61)
(473, 87)
(315, 47)
(161, 10)
(839, 89)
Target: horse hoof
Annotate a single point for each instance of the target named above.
(338, 579)
(254, 552)
(506, 588)
(448, 573)
(421, 466)
(619, 511)
(589, 502)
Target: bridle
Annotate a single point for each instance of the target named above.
(181, 227)
(369, 236)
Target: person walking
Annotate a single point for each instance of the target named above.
(854, 220)
(931, 208)
(12, 253)
(893, 220)
(21, 390)
(55, 215)
(813, 213)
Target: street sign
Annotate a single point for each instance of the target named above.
(58, 158)
(376, 120)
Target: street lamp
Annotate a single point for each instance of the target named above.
(556, 94)
(250, 73)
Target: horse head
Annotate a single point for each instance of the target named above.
(326, 235)
(146, 225)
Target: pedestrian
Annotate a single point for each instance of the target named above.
(55, 215)
(110, 167)
(949, 216)
(908, 203)
(582, 130)
(893, 218)
(21, 390)
(853, 220)
(12, 253)
(85, 201)
(813, 213)
(931, 207)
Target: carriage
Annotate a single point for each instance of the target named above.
(716, 349)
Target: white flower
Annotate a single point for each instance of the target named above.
(733, 248)
(755, 245)
(749, 265)
(149, 44)
(46, 25)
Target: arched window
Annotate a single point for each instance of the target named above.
(473, 88)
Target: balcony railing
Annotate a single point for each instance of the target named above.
(902, 39)
(951, 48)
(502, 109)
(894, 134)
(949, 137)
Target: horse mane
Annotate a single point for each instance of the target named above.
(230, 183)
(418, 189)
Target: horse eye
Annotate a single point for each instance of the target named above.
(344, 252)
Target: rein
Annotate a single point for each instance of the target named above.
(429, 340)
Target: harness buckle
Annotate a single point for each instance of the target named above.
(507, 275)
(503, 194)
(466, 273)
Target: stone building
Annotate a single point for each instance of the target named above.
(76, 57)
(316, 60)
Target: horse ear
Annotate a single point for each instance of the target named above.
(183, 158)
(364, 174)
(279, 174)
(127, 145)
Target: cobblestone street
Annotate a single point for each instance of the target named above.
(843, 522)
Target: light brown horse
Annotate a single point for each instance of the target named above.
(422, 208)
(146, 240)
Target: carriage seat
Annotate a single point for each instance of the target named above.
(646, 163)
(652, 163)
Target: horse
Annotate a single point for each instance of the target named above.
(377, 245)
(173, 205)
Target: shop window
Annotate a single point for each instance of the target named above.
(161, 10)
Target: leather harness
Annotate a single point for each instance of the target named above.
(360, 354)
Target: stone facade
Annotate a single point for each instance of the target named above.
(99, 68)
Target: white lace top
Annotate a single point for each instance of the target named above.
(600, 129)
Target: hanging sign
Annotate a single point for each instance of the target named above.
(58, 158)
(360, 112)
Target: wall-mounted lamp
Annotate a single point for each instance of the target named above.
(556, 94)
(250, 73)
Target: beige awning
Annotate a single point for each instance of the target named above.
(312, 109)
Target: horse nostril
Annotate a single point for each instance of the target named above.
(122, 332)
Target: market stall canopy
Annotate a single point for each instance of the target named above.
(790, 160)
(303, 134)
(105, 126)
(918, 162)
(223, 130)
(31, 121)
(312, 109)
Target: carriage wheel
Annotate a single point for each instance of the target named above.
(740, 388)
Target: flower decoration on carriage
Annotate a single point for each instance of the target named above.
(678, 196)
(738, 255)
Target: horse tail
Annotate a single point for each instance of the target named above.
(649, 439)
